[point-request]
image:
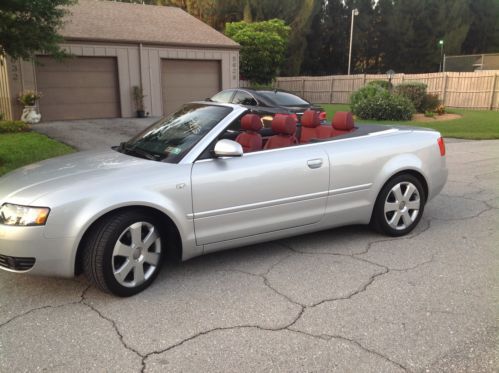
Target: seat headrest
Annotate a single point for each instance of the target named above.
(310, 118)
(251, 122)
(343, 120)
(284, 125)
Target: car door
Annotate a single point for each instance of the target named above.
(259, 192)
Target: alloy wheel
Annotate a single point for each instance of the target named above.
(402, 205)
(136, 254)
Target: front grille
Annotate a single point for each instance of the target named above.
(15, 263)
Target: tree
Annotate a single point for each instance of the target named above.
(27, 27)
(263, 45)
(483, 35)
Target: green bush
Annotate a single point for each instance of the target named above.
(366, 92)
(430, 103)
(382, 83)
(374, 102)
(13, 126)
(415, 92)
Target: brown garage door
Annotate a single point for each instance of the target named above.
(188, 80)
(78, 88)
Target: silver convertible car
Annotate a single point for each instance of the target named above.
(207, 178)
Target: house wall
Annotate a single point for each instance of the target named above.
(137, 64)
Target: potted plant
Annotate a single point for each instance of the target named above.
(29, 99)
(138, 98)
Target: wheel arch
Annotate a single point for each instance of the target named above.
(168, 227)
(414, 172)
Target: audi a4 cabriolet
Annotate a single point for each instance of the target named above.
(210, 177)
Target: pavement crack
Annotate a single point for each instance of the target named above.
(328, 337)
(489, 208)
(361, 289)
(432, 259)
(115, 328)
(371, 351)
(44, 308)
(410, 237)
(35, 310)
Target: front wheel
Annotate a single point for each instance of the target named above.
(123, 255)
(399, 206)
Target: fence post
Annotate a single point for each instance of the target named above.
(444, 88)
(364, 81)
(494, 95)
(303, 88)
(331, 90)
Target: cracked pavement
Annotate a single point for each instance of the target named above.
(345, 300)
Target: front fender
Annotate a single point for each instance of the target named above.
(74, 218)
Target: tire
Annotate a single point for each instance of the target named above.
(123, 253)
(399, 206)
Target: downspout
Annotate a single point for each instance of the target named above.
(140, 64)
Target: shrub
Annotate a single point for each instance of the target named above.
(429, 114)
(385, 107)
(440, 110)
(430, 102)
(29, 97)
(415, 92)
(368, 91)
(375, 102)
(382, 83)
(13, 126)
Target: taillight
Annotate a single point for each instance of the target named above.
(322, 115)
(441, 145)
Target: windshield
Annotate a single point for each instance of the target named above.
(283, 98)
(172, 137)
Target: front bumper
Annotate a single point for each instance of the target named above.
(52, 256)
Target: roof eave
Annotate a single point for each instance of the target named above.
(154, 42)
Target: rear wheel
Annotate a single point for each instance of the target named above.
(399, 206)
(123, 255)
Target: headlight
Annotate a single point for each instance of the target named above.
(23, 215)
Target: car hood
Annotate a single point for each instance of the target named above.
(31, 182)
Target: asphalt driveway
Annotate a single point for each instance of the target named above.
(345, 300)
(93, 133)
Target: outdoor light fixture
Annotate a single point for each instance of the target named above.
(441, 44)
(355, 12)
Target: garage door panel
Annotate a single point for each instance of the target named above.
(77, 64)
(78, 88)
(84, 96)
(184, 81)
(81, 79)
(77, 111)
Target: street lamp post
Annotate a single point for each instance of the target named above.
(355, 12)
(441, 44)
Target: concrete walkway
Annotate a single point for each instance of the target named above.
(343, 300)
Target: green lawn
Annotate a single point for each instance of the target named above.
(476, 125)
(19, 149)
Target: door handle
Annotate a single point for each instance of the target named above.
(314, 163)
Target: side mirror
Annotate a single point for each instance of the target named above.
(228, 148)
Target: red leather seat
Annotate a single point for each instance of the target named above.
(250, 140)
(284, 127)
(342, 123)
(310, 121)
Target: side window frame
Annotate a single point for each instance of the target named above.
(246, 93)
